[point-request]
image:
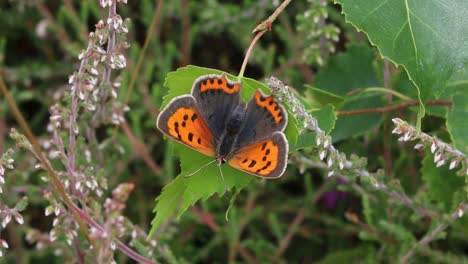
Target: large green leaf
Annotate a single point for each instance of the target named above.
(348, 71)
(355, 125)
(206, 180)
(343, 74)
(429, 38)
(457, 122)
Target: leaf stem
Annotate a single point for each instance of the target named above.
(382, 89)
(260, 29)
(249, 51)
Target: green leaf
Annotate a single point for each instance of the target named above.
(306, 139)
(200, 176)
(326, 118)
(22, 204)
(167, 203)
(317, 98)
(348, 71)
(428, 38)
(442, 182)
(355, 125)
(208, 180)
(457, 122)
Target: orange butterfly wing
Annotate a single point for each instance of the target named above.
(182, 121)
(266, 158)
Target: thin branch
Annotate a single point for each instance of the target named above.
(389, 108)
(154, 25)
(61, 34)
(266, 25)
(249, 205)
(121, 246)
(185, 40)
(297, 221)
(141, 149)
(260, 29)
(430, 236)
(355, 219)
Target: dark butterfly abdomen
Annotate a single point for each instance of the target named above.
(233, 126)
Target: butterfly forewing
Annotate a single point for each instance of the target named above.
(266, 158)
(214, 121)
(182, 121)
(217, 97)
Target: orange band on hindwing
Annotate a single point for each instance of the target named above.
(217, 83)
(260, 158)
(270, 105)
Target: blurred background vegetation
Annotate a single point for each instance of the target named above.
(304, 217)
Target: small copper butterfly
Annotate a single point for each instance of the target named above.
(216, 122)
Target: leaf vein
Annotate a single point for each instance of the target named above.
(408, 17)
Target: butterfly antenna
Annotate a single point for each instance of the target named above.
(222, 176)
(199, 169)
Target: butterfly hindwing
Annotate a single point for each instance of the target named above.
(263, 116)
(266, 158)
(182, 121)
(216, 97)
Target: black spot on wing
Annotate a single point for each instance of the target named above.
(194, 116)
(190, 136)
(252, 163)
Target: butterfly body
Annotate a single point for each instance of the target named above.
(216, 122)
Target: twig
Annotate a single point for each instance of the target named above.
(265, 25)
(430, 236)
(389, 108)
(154, 25)
(185, 40)
(61, 33)
(260, 29)
(141, 149)
(121, 246)
(247, 255)
(355, 219)
(297, 221)
(249, 205)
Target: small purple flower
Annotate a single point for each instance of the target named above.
(331, 198)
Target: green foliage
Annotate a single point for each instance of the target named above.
(428, 48)
(376, 208)
(192, 185)
(457, 122)
(443, 184)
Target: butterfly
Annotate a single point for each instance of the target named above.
(215, 121)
